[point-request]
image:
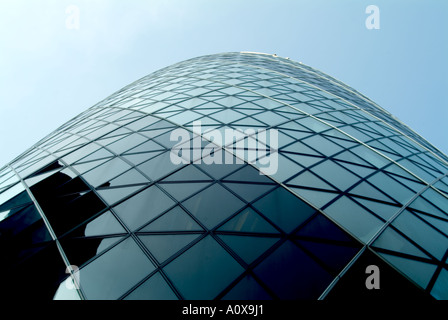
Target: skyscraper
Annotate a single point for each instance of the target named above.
(141, 197)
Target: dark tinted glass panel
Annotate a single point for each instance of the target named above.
(155, 288)
(143, 207)
(247, 289)
(108, 276)
(248, 221)
(203, 271)
(292, 274)
(248, 248)
(284, 209)
(164, 246)
(213, 205)
(174, 220)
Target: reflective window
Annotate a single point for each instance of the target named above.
(354, 218)
(203, 271)
(108, 276)
(213, 205)
(143, 207)
(284, 209)
(292, 274)
(155, 288)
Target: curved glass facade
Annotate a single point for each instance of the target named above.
(99, 210)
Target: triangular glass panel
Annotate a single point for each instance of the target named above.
(113, 195)
(424, 205)
(420, 272)
(334, 256)
(138, 158)
(299, 147)
(247, 247)
(384, 210)
(175, 219)
(247, 289)
(51, 167)
(248, 221)
(320, 227)
(364, 189)
(317, 198)
(248, 174)
(305, 161)
(155, 288)
(188, 173)
(86, 166)
(284, 209)
(308, 179)
(248, 121)
(181, 191)
(164, 246)
(393, 241)
(249, 192)
(359, 170)
(80, 250)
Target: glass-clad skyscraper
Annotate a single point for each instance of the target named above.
(139, 198)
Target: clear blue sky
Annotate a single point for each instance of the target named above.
(50, 73)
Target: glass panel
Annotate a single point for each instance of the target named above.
(213, 205)
(292, 274)
(424, 235)
(180, 191)
(392, 240)
(420, 272)
(109, 276)
(113, 195)
(158, 166)
(247, 289)
(284, 209)
(155, 288)
(106, 223)
(391, 187)
(126, 143)
(203, 271)
(334, 256)
(249, 192)
(383, 210)
(147, 146)
(439, 290)
(164, 246)
(81, 250)
(365, 189)
(247, 247)
(129, 177)
(189, 173)
(248, 221)
(218, 171)
(354, 218)
(308, 179)
(14, 196)
(174, 220)
(320, 227)
(317, 198)
(105, 172)
(143, 207)
(335, 174)
(324, 146)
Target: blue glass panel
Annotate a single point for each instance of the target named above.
(284, 209)
(213, 205)
(108, 276)
(292, 274)
(155, 288)
(203, 271)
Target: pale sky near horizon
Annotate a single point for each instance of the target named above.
(50, 72)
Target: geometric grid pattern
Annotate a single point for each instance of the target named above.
(101, 193)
